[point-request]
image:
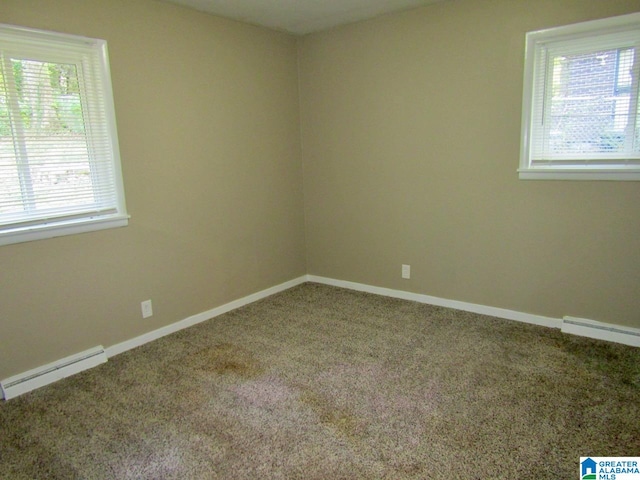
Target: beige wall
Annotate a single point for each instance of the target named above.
(207, 113)
(411, 134)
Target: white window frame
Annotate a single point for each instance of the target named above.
(536, 76)
(87, 54)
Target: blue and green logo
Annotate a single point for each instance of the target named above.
(588, 469)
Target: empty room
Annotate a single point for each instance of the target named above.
(385, 239)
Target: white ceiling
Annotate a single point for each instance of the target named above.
(301, 16)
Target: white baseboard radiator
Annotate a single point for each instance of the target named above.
(601, 331)
(39, 377)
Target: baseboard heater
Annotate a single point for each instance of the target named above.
(601, 331)
(41, 376)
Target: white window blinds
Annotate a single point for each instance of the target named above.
(59, 160)
(581, 103)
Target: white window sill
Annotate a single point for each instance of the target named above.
(59, 229)
(557, 174)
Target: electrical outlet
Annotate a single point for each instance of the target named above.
(147, 309)
(406, 271)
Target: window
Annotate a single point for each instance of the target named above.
(59, 160)
(581, 115)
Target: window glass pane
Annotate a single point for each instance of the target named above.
(589, 106)
(10, 196)
(51, 151)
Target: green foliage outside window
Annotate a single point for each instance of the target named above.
(48, 97)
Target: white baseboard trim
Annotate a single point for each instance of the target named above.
(601, 331)
(442, 302)
(39, 377)
(571, 325)
(201, 317)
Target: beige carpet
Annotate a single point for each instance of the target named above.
(323, 383)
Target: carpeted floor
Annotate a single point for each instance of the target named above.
(324, 383)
